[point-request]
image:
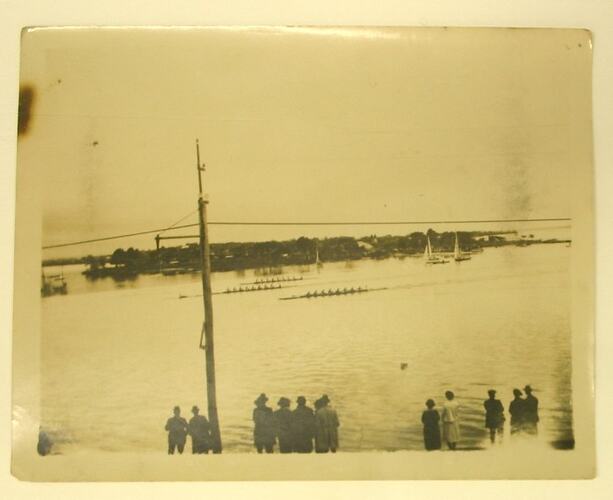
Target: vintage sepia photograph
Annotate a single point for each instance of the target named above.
(259, 253)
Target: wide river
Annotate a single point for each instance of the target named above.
(117, 357)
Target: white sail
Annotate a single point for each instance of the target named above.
(457, 253)
(456, 250)
(317, 260)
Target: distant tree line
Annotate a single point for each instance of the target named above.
(266, 254)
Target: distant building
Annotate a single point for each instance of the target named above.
(365, 246)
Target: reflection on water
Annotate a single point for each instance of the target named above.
(116, 359)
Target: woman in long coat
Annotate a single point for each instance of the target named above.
(326, 426)
(451, 426)
(432, 432)
(264, 428)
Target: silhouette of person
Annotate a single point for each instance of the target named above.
(531, 412)
(264, 425)
(451, 425)
(283, 423)
(517, 410)
(494, 416)
(177, 431)
(432, 432)
(326, 426)
(199, 429)
(303, 427)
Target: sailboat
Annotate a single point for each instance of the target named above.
(317, 260)
(457, 253)
(430, 257)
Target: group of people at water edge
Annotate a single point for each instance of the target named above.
(198, 428)
(304, 430)
(523, 411)
(294, 430)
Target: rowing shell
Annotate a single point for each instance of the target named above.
(316, 295)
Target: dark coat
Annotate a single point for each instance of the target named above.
(177, 429)
(432, 431)
(517, 410)
(199, 428)
(264, 429)
(531, 409)
(283, 429)
(494, 413)
(303, 429)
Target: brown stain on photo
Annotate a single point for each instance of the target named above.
(27, 96)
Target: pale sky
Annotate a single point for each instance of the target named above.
(296, 125)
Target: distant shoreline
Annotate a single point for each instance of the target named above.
(269, 256)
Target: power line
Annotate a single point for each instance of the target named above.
(318, 223)
(116, 237)
(385, 223)
(172, 226)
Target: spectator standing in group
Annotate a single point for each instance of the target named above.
(517, 410)
(177, 431)
(326, 426)
(199, 429)
(432, 432)
(451, 424)
(264, 425)
(531, 412)
(494, 416)
(283, 424)
(303, 427)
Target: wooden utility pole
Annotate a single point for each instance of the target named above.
(207, 329)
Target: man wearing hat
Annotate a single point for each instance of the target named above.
(177, 431)
(199, 429)
(303, 427)
(283, 423)
(494, 416)
(264, 425)
(531, 411)
(326, 426)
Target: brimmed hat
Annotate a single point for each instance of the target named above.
(284, 401)
(261, 399)
(176, 408)
(195, 408)
(325, 398)
(300, 400)
(517, 392)
(528, 388)
(492, 391)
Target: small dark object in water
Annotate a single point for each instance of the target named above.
(403, 366)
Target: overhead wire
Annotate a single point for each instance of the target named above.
(306, 223)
